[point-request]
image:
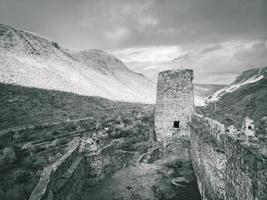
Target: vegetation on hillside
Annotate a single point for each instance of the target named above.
(23, 106)
(130, 124)
(248, 101)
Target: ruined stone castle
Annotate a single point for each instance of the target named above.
(228, 165)
(175, 104)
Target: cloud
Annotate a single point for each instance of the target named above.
(149, 54)
(253, 55)
(211, 48)
(217, 38)
(94, 23)
(189, 23)
(118, 34)
(217, 64)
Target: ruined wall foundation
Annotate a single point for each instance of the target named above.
(228, 165)
(85, 165)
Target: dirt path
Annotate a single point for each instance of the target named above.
(142, 182)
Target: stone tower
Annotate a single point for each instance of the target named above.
(174, 104)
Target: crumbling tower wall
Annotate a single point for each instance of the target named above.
(174, 104)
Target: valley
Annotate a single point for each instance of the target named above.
(46, 131)
(79, 124)
(41, 133)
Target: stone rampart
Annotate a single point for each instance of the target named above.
(246, 170)
(227, 165)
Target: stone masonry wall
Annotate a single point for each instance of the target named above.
(101, 163)
(246, 171)
(59, 181)
(85, 165)
(175, 102)
(45, 133)
(226, 165)
(208, 158)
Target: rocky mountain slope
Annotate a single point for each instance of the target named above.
(28, 59)
(245, 79)
(245, 97)
(31, 60)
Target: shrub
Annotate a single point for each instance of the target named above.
(15, 193)
(22, 176)
(33, 162)
(2, 194)
(115, 134)
(70, 127)
(63, 141)
(141, 147)
(55, 45)
(28, 146)
(9, 155)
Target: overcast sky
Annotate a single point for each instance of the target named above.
(217, 38)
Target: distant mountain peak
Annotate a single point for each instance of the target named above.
(25, 42)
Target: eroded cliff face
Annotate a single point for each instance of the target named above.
(227, 165)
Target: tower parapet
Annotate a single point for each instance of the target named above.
(174, 104)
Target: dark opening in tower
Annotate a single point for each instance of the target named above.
(176, 124)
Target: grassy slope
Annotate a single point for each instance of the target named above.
(22, 106)
(249, 100)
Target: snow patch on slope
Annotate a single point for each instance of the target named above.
(233, 87)
(199, 101)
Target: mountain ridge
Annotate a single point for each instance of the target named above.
(29, 59)
(247, 98)
(247, 77)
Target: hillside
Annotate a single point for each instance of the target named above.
(246, 96)
(246, 78)
(29, 59)
(27, 143)
(24, 106)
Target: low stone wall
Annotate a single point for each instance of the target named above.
(226, 167)
(44, 133)
(54, 177)
(87, 164)
(102, 163)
